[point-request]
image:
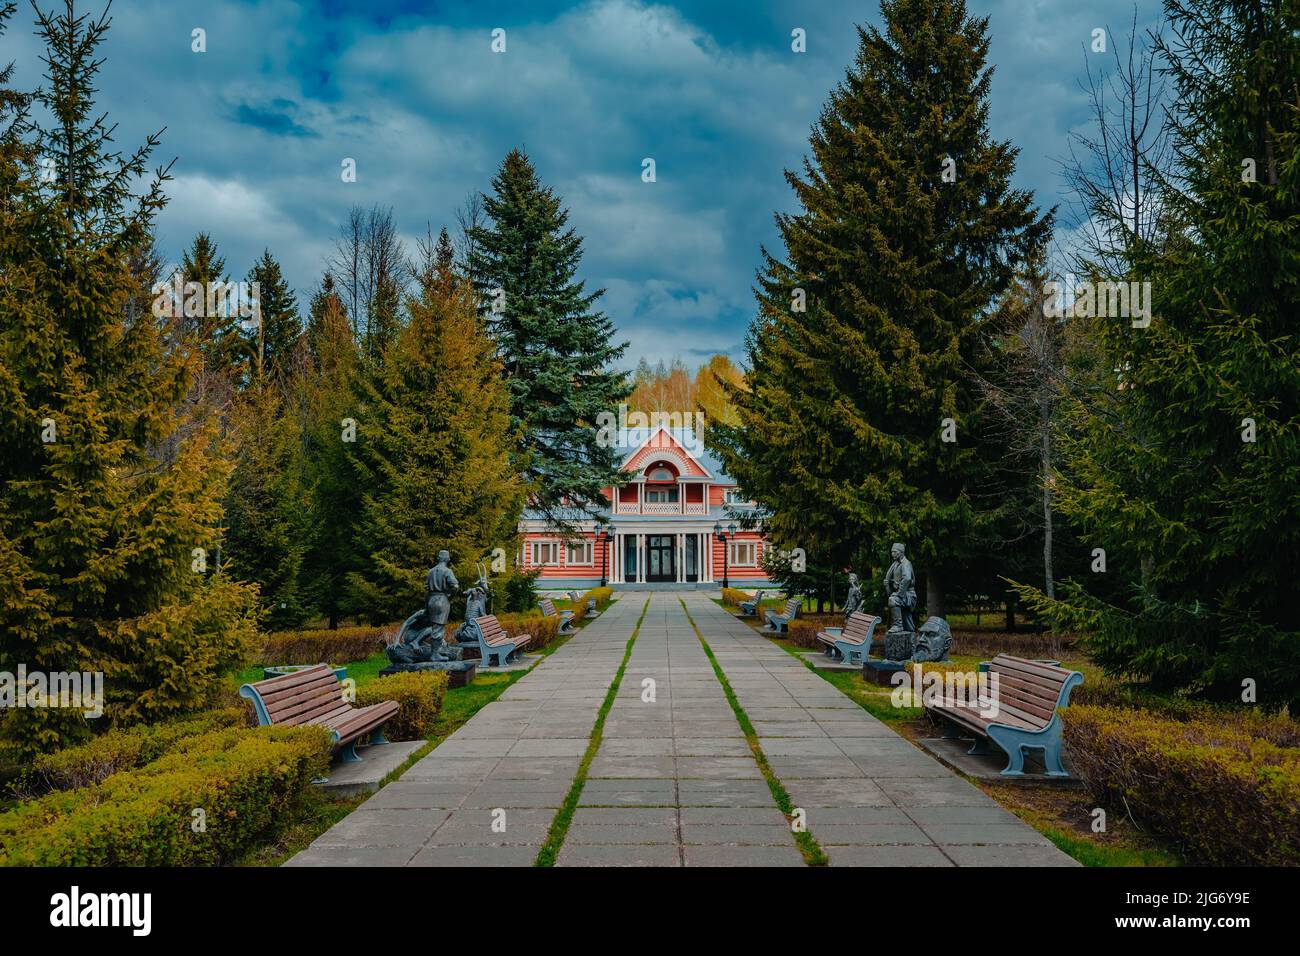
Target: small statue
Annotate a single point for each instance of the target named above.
(900, 589)
(853, 602)
(475, 607)
(933, 641)
(421, 638)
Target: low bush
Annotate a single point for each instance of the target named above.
(1224, 795)
(733, 596)
(244, 782)
(1274, 727)
(803, 630)
(602, 597)
(420, 695)
(87, 764)
(543, 630)
(323, 646)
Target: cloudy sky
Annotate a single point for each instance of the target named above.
(260, 123)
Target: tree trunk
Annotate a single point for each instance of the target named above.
(1049, 582)
(1011, 612)
(933, 594)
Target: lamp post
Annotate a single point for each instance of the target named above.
(606, 535)
(722, 535)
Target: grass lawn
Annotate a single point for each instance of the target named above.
(1062, 815)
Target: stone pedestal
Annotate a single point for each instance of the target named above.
(459, 673)
(879, 672)
(899, 645)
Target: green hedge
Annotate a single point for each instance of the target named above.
(602, 597)
(543, 630)
(323, 646)
(733, 596)
(90, 763)
(244, 780)
(1223, 794)
(420, 695)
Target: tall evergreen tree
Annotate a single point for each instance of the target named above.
(216, 328)
(555, 348)
(437, 447)
(329, 432)
(276, 335)
(102, 545)
(1184, 467)
(908, 231)
(266, 510)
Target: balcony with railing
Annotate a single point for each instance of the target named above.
(663, 501)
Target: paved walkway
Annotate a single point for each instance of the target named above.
(674, 781)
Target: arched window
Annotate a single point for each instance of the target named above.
(661, 474)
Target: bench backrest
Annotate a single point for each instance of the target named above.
(547, 606)
(492, 631)
(1030, 690)
(792, 607)
(758, 598)
(858, 628)
(309, 694)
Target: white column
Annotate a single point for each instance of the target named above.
(679, 547)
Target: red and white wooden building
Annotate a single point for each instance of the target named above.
(664, 520)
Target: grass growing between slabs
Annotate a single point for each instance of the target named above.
(550, 850)
(322, 811)
(1062, 815)
(811, 850)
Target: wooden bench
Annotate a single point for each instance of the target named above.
(778, 622)
(548, 610)
(575, 598)
(1015, 711)
(852, 643)
(495, 642)
(750, 608)
(314, 696)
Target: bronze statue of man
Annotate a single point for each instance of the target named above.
(900, 588)
(438, 588)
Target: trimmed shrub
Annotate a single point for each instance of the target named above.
(342, 646)
(420, 695)
(90, 763)
(244, 781)
(543, 630)
(1225, 796)
(1275, 728)
(733, 596)
(803, 629)
(602, 596)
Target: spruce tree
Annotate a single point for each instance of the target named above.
(227, 355)
(555, 348)
(266, 509)
(1183, 467)
(328, 414)
(437, 446)
(908, 231)
(276, 336)
(106, 550)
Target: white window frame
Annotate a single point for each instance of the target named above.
(537, 548)
(588, 546)
(738, 547)
(732, 496)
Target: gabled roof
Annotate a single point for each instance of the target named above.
(639, 447)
